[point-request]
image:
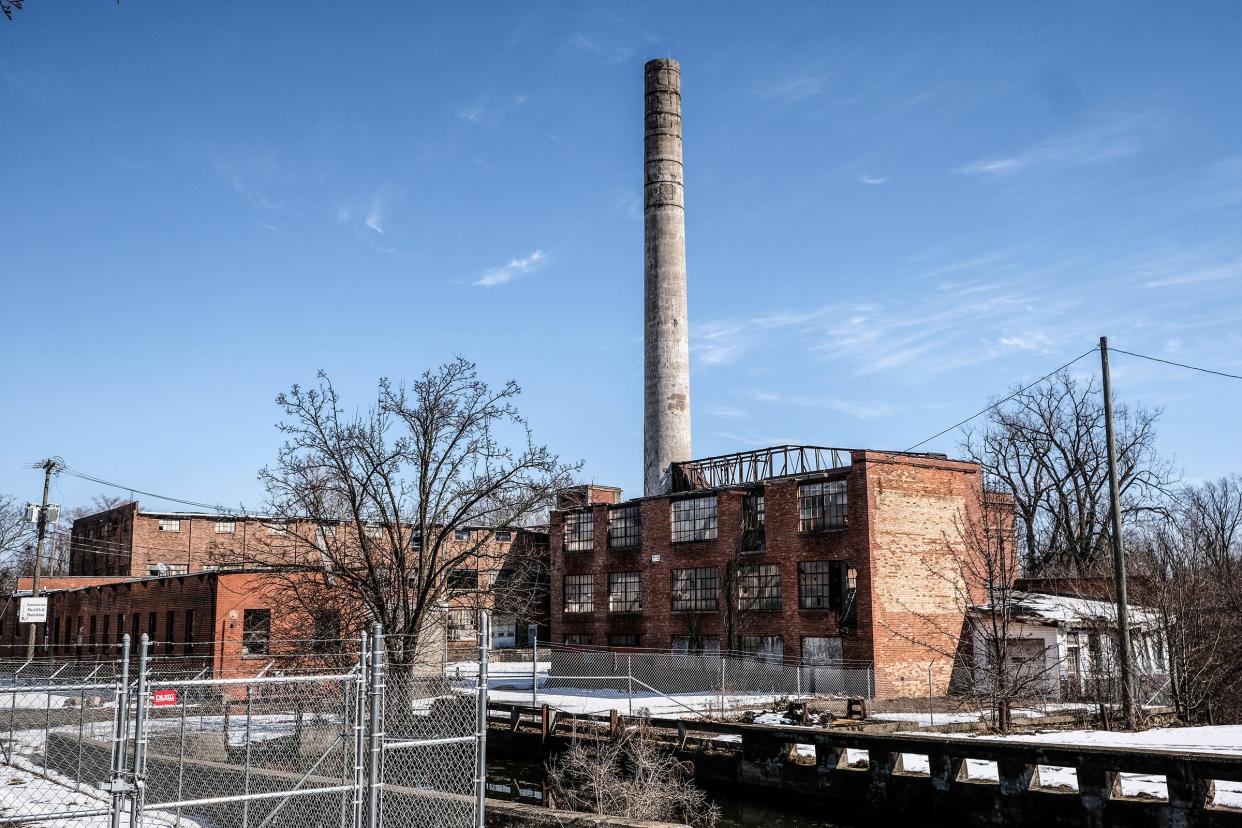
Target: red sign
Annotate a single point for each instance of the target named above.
(164, 698)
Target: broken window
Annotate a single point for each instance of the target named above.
(463, 625)
(769, 649)
(623, 640)
(170, 526)
(256, 631)
(579, 531)
(463, 580)
(694, 590)
(694, 519)
(759, 587)
(753, 539)
(579, 593)
(625, 592)
(624, 526)
(822, 506)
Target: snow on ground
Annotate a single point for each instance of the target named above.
(28, 790)
(601, 700)
(1225, 739)
(263, 726)
(967, 716)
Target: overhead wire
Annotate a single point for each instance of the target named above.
(1177, 364)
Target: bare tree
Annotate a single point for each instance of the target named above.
(979, 628)
(1046, 448)
(1187, 562)
(366, 507)
(632, 776)
(16, 542)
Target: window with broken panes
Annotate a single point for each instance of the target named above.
(625, 592)
(463, 580)
(694, 519)
(579, 593)
(696, 645)
(623, 640)
(694, 590)
(821, 584)
(463, 625)
(624, 526)
(579, 531)
(579, 640)
(759, 587)
(821, 506)
(753, 539)
(765, 648)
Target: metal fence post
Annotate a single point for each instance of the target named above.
(246, 781)
(118, 735)
(485, 638)
(140, 736)
(377, 733)
(534, 672)
(360, 709)
(629, 675)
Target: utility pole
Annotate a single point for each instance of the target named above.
(1119, 557)
(49, 466)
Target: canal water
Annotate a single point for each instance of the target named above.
(523, 782)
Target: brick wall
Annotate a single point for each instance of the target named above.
(658, 556)
(903, 538)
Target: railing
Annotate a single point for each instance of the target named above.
(920, 776)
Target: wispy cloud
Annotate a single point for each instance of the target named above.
(1026, 341)
(251, 176)
(727, 412)
(474, 112)
(794, 88)
(873, 180)
(628, 203)
(375, 215)
(512, 269)
(601, 51)
(861, 410)
(1115, 138)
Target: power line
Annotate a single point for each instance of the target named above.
(215, 507)
(999, 403)
(1178, 364)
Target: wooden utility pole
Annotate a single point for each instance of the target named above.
(49, 466)
(1119, 556)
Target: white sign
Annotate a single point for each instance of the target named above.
(32, 611)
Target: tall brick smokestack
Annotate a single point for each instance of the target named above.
(666, 343)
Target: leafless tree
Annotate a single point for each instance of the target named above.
(1186, 563)
(632, 776)
(977, 628)
(16, 541)
(7, 7)
(367, 506)
(1046, 448)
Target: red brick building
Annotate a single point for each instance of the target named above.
(792, 552)
(229, 623)
(192, 582)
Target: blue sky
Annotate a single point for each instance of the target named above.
(894, 213)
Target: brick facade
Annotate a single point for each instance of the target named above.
(902, 540)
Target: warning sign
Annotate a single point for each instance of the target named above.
(164, 698)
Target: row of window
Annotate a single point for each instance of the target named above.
(95, 633)
(822, 506)
(764, 648)
(229, 527)
(822, 585)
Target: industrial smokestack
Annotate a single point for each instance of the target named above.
(666, 363)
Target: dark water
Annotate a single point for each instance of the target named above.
(523, 781)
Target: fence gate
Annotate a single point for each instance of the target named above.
(143, 748)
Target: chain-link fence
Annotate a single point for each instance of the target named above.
(587, 680)
(152, 742)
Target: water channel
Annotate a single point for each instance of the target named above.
(523, 782)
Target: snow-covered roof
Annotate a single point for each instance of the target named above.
(1045, 608)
